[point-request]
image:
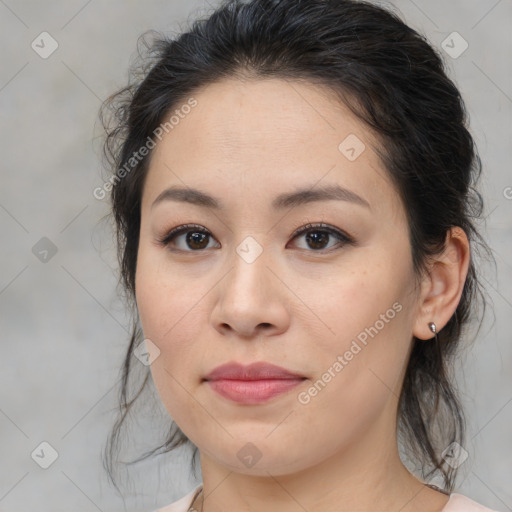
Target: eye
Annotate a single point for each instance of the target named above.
(197, 238)
(317, 236)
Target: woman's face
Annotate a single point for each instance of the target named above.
(337, 310)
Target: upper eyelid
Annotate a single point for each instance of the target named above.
(310, 226)
(319, 226)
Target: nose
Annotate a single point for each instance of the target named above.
(251, 300)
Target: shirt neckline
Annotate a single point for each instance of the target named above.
(195, 492)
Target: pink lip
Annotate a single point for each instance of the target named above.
(255, 383)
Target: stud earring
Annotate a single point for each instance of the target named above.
(433, 328)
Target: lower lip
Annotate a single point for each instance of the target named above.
(252, 391)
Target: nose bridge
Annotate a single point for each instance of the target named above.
(249, 261)
(248, 297)
(250, 250)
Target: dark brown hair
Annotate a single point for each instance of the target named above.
(392, 79)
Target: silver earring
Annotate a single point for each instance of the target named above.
(433, 328)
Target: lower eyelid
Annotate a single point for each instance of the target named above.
(341, 241)
(171, 236)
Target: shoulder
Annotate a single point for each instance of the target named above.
(461, 503)
(183, 504)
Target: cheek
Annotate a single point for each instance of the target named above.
(166, 300)
(365, 345)
(346, 307)
(169, 319)
(356, 383)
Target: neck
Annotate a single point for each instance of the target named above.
(367, 475)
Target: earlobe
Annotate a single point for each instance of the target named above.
(443, 285)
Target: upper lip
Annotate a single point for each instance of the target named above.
(255, 371)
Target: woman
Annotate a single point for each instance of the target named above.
(293, 189)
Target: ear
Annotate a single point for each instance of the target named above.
(442, 287)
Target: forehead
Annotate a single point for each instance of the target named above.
(277, 113)
(264, 136)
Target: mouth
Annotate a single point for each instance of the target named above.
(252, 384)
(253, 391)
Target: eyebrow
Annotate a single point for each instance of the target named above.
(282, 201)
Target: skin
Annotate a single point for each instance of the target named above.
(296, 306)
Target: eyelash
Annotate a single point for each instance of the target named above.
(344, 239)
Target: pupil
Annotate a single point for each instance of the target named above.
(195, 237)
(317, 240)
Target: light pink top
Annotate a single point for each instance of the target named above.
(456, 503)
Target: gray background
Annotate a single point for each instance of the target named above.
(63, 326)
